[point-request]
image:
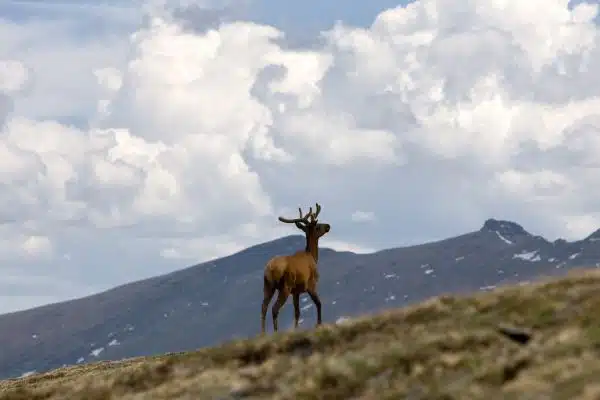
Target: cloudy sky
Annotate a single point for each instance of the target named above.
(140, 137)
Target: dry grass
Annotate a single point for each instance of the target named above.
(445, 348)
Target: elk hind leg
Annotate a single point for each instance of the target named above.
(296, 309)
(268, 292)
(284, 292)
(315, 298)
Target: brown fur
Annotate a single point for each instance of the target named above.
(296, 273)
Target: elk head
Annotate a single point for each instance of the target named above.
(309, 224)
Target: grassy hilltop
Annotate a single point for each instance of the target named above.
(538, 341)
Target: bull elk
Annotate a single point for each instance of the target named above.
(297, 273)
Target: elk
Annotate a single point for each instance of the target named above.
(297, 273)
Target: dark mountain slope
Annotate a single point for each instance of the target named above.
(219, 300)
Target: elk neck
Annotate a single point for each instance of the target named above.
(312, 246)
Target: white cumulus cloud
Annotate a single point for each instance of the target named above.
(13, 75)
(167, 143)
(363, 216)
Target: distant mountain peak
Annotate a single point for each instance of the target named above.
(504, 228)
(595, 236)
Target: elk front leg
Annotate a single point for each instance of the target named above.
(315, 298)
(284, 292)
(296, 309)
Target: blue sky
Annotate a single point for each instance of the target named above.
(135, 141)
(296, 18)
(301, 21)
(309, 17)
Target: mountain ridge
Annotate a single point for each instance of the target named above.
(487, 225)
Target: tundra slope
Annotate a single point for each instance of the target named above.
(520, 342)
(219, 300)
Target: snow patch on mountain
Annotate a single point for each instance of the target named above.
(532, 256)
(505, 240)
(96, 352)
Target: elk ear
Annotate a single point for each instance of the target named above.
(300, 226)
(323, 229)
